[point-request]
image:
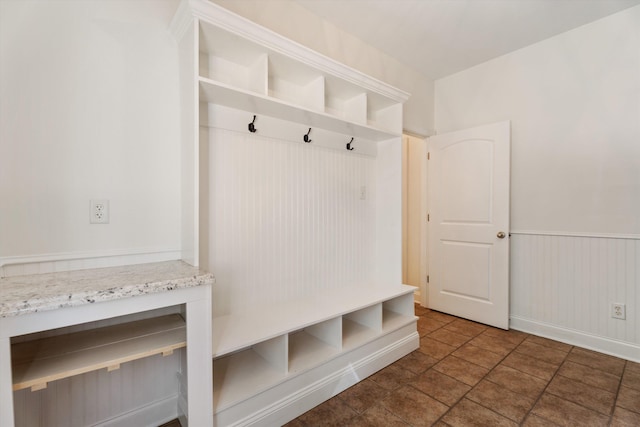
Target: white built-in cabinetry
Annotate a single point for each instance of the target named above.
(308, 323)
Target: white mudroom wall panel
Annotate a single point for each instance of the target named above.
(142, 392)
(563, 287)
(286, 219)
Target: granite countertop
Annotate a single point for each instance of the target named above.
(41, 292)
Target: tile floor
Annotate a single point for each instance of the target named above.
(468, 374)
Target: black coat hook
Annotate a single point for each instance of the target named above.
(306, 137)
(252, 127)
(349, 147)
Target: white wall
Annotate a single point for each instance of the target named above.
(297, 23)
(89, 109)
(574, 104)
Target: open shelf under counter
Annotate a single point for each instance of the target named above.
(220, 93)
(38, 362)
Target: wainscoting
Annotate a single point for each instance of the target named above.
(562, 287)
(286, 219)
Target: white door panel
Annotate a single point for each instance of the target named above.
(469, 206)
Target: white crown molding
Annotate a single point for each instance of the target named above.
(181, 21)
(229, 21)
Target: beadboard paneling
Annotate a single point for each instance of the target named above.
(285, 219)
(99, 396)
(567, 284)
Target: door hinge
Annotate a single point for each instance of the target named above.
(428, 217)
(428, 156)
(427, 278)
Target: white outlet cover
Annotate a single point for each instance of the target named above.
(99, 212)
(618, 311)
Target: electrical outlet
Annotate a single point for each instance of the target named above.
(363, 192)
(99, 212)
(618, 311)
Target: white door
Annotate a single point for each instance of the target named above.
(468, 181)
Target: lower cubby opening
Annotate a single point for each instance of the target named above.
(314, 345)
(240, 375)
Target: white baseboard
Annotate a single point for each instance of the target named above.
(151, 415)
(330, 380)
(621, 349)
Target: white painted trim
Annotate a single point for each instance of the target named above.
(577, 234)
(181, 21)
(306, 398)
(153, 414)
(622, 349)
(66, 261)
(227, 20)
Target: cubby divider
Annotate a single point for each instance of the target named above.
(314, 344)
(361, 325)
(397, 312)
(233, 63)
(242, 374)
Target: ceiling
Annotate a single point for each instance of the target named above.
(441, 37)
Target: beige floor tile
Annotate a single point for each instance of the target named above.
(565, 413)
(625, 418)
(461, 370)
(493, 344)
(533, 420)
(591, 397)
(517, 381)
(631, 379)
(478, 355)
(512, 405)
(448, 337)
(467, 413)
(434, 348)
(590, 376)
(440, 317)
(632, 366)
(414, 407)
(363, 395)
(599, 361)
(541, 352)
(629, 399)
(392, 377)
(377, 416)
(416, 362)
(466, 327)
(426, 326)
(512, 336)
(440, 387)
(332, 413)
(530, 365)
(420, 310)
(549, 343)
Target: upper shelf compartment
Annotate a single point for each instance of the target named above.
(279, 75)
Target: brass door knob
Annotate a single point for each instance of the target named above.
(501, 235)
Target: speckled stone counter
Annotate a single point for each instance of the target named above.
(41, 292)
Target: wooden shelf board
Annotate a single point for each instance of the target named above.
(238, 331)
(220, 93)
(241, 375)
(41, 361)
